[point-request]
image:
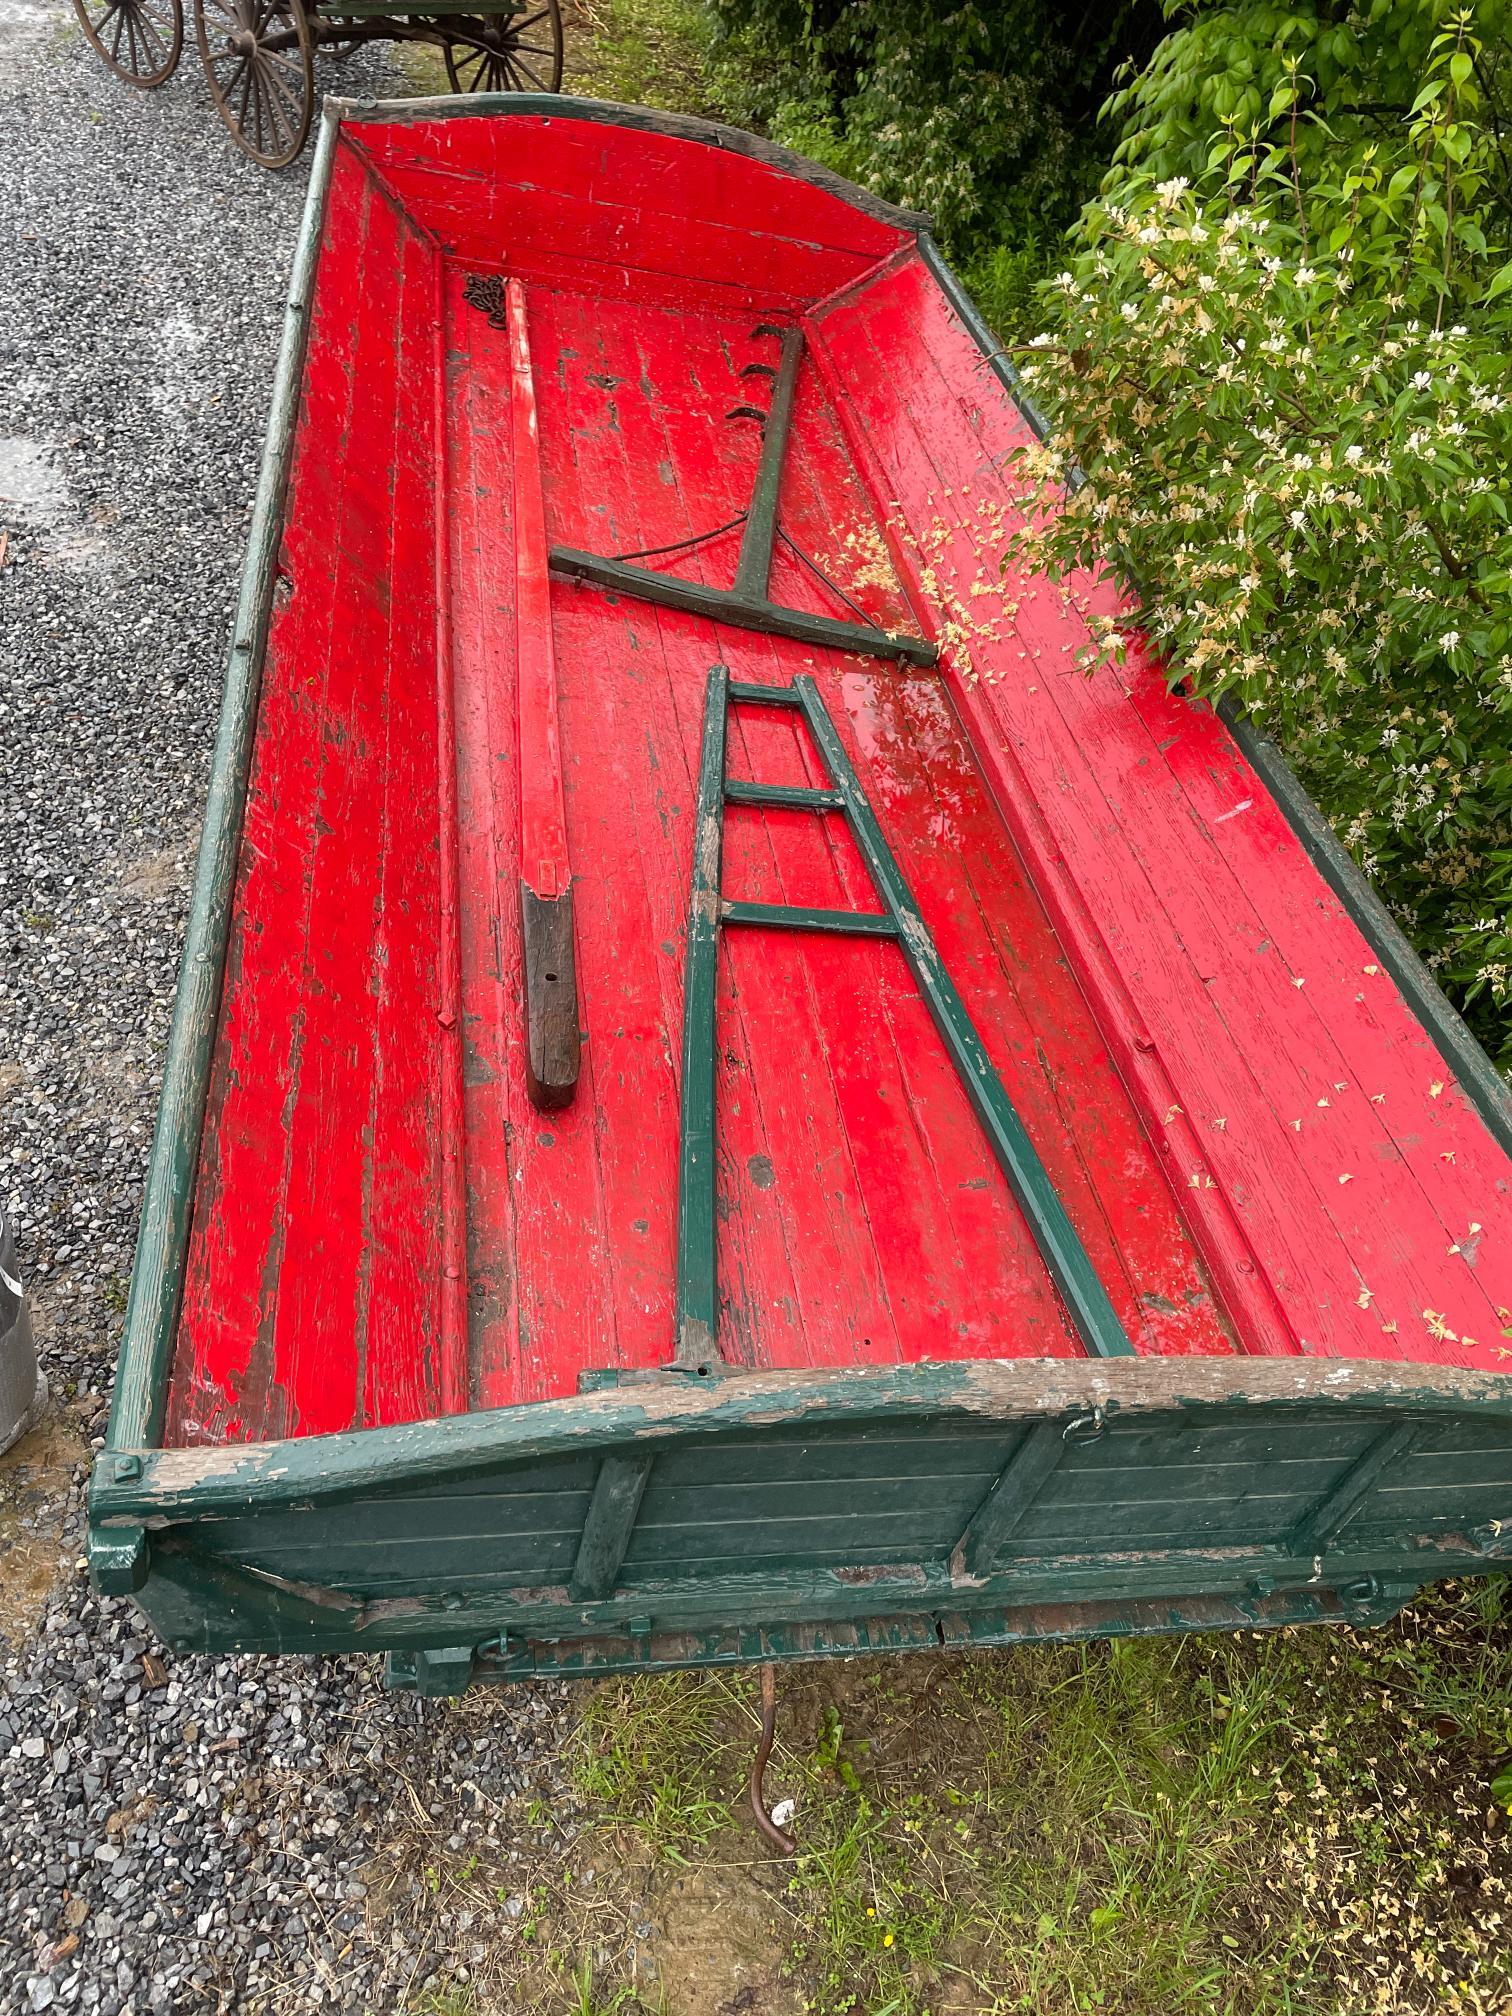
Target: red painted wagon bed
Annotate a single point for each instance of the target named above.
(728, 1100)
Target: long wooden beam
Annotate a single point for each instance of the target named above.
(553, 1038)
(724, 605)
(452, 1380)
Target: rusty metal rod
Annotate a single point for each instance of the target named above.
(784, 1843)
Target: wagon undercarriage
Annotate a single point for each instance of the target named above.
(258, 55)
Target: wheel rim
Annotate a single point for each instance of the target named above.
(259, 64)
(513, 52)
(139, 40)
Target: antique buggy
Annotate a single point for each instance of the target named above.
(259, 55)
(728, 1100)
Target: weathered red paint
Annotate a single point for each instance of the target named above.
(1260, 1147)
(545, 865)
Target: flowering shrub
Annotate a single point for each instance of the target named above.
(1287, 396)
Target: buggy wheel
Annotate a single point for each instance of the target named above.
(139, 40)
(507, 52)
(260, 65)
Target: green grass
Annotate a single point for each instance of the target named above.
(641, 52)
(586, 2001)
(1296, 1825)
(452, 1998)
(659, 1768)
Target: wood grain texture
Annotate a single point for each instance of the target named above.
(311, 1299)
(1253, 1138)
(1307, 1096)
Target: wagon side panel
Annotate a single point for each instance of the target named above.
(952, 1522)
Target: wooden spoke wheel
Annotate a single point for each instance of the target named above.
(259, 59)
(507, 52)
(139, 40)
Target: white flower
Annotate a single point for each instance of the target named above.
(1129, 312)
(1305, 276)
(1170, 192)
(1354, 453)
(1449, 639)
(1421, 380)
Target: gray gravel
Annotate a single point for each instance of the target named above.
(186, 1833)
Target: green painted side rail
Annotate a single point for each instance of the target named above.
(141, 1390)
(808, 1508)
(1060, 1246)
(697, 1286)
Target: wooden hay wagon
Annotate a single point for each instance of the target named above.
(727, 1100)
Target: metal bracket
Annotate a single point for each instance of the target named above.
(485, 292)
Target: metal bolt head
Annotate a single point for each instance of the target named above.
(127, 1469)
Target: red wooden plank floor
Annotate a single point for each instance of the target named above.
(1190, 1027)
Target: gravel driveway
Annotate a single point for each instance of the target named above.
(174, 1833)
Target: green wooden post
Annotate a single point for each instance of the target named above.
(1015, 1489)
(748, 603)
(1323, 1521)
(754, 567)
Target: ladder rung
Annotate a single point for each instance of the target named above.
(802, 798)
(791, 917)
(764, 696)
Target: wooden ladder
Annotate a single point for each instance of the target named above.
(899, 919)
